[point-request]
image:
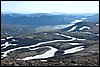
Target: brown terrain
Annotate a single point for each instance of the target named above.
(87, 57)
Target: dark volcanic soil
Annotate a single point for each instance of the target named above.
(74, 61)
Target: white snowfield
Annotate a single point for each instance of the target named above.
(97, 24)
(38, 48)
(2, 39)
(78, 20)
(73, 38)
(74, 43)
(9, 37)
(14, 40)
(84, 27)
(8, 51)
(97, 34)
(73, 50)
(43, 60)
(73, 28)
(66, 36)
(7, 44)
(80, 39)
(57, 34)
(49, 53)
(45, 33)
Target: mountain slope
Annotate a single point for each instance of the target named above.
(83, 27)
(44, 19)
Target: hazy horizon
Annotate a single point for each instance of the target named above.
(49, 12)
(50, 6)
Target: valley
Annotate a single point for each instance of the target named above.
(60, 44)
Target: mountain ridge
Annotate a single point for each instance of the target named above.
(44, 19)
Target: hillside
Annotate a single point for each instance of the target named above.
(44, 19)
(49, 41)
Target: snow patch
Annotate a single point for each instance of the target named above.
(97, 24)
(7, 44)
(80, 39)
(57, 34)
(38, 48)
(45, 33)
(9, 37)
(13, 40)
(74, 43)
(97, 34)
(84, 27)
(78, 20)
(72, 29)
(2, 39)
(73, 50)
(14, 44)
(43, 60)
(47, 54)
(75, 21)
(8, 51)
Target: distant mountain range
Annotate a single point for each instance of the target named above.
(44, 18)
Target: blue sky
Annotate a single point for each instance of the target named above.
(50, 6)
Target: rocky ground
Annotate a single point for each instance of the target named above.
(79, 61)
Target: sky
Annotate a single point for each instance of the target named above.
(50, 6)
